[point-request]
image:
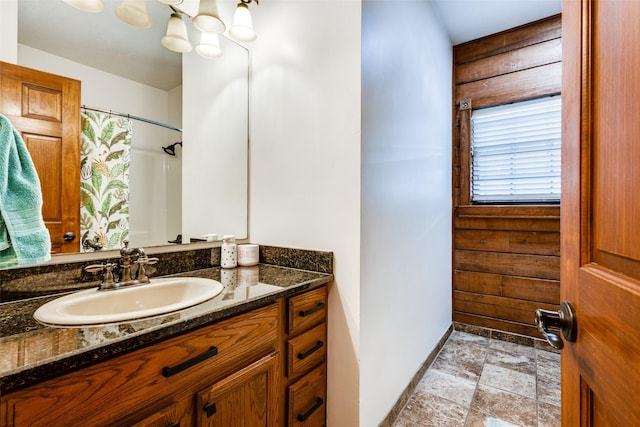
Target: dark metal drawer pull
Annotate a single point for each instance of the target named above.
(308, 353)
(168, 371)
(210, 409)
(174, 425)
(303, 417)
(309, 312)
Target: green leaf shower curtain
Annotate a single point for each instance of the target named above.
(105, 149)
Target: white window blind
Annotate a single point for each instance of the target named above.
(515, 151)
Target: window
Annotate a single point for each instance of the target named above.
(515, 152)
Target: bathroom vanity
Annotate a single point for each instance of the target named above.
(255, 355)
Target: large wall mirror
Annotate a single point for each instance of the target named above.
(197, 186)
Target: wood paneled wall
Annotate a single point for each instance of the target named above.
(506, 257)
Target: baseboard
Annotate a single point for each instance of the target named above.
(406, 394)
(495, 334)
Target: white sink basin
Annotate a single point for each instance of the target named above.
(161, 296)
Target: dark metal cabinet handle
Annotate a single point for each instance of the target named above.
(174, 425)
(210, 409)
(563, 319)
(309, 312)
(303, 417)
(309, 352)
(168, 371)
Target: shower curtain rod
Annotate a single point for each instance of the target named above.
(129, 116)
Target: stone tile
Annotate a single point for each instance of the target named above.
(548, 391)
(512, 338)
(544, 345)
(461, 359)
(462, 362)
(509, 384)
(427, 410)
(478, 419)
(515, 349)
(548, 380)
(447, 386)
(548, 370)
(458, 336)
(547, 358)
(512, 360)
(550, 355)
(505, 406)
(548, 415)
(509, 380)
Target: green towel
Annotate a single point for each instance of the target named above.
(24, 239)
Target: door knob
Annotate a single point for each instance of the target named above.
(563, 319)
(67, 237)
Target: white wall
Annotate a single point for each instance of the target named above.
(151, 169)
(9, 31)
(305, 159)
(383, 204)
(406, 197)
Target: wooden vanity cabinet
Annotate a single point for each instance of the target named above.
(305, 341)
(234, 361)
(263, 368)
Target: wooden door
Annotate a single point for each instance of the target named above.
(600, 214)
(244, 399)
(45, 108)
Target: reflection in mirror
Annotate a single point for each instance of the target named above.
(212, 148)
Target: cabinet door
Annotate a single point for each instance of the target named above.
(247, 398)
(175, 415)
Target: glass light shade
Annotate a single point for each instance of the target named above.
(209, 46)
(207, 20)
(134, 12)
(242, 28)
(176, 38)
(86, 5)
(171, 2)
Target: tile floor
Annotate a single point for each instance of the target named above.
(477, 381)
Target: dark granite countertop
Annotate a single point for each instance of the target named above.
(31, 352)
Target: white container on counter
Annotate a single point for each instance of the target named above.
(248, 255)
(229, 252)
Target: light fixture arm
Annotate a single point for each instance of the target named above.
(249, 1)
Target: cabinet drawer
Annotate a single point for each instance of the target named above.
(161, 370)
(307, 310)
(307, 398)
(306, 350)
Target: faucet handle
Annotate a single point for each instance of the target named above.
(142, 273)
(150, 261)
(107, 279)
(95, 268)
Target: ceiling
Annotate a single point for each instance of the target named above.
(137, 54)
(467, 20)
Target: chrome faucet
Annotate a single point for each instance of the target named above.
(128, 256)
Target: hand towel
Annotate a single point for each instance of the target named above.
(24, 239)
